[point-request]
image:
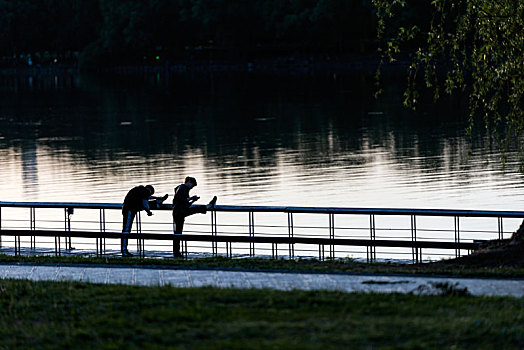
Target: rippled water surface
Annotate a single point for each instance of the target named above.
(250, 139)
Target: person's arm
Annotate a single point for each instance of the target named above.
(155, 197)
(145, 204)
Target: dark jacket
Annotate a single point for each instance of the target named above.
(181, 200)
(134, 198)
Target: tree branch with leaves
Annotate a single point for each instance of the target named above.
(476, 47)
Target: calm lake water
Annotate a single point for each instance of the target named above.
(251, 139)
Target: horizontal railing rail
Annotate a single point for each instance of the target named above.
(76, 205)
(244, 239)
(321, 242)
(289, 209)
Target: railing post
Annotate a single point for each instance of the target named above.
(214, 244)
(251, 233)
(17, 243)
(372, 253)
(67, 226)
(414, 250)
(65, 223)
(32, 218)
(501, 229)
(457, 235)
(142, 243)
(139, 242)
(69, 213)
(100, 242)
(59, 247)
(0, 227)
(229, 249)
(290, 234)
(331, 235)
(57, 238)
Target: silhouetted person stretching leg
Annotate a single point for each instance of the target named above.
(137, 199)
(183, 206)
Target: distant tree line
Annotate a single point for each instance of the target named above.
(105, 32)
(46, 29)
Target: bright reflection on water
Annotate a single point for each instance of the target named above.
(250, 139)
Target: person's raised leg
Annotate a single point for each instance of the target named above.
(201, 209)
(212, 203)
(160, 201)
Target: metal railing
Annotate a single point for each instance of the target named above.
(252, 235)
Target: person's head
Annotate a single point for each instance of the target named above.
(151, 189)
(190, 181)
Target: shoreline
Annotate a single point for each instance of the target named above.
(285, 65)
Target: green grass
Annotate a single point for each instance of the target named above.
(77, 315)
(305, 265)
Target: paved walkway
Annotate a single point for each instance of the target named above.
(249, 279)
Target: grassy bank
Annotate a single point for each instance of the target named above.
(65, 315)
(303, 265)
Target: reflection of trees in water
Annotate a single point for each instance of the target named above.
(28, 151)
(239, 123)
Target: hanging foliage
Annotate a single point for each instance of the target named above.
(469, 46)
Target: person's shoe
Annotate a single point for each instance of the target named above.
(212, 203)
(126, 253)
(164, 198)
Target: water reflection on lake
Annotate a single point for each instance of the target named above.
(251, 139)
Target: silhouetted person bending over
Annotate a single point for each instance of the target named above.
(183, 206)
(137, 199)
